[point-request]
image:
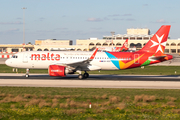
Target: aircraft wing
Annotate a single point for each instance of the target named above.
(79, 63)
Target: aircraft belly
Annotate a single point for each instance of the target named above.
(105, 65)
(38, 64)
(42, 65)
(109, 66)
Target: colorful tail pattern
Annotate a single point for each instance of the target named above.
(158, 42)
(152, 52)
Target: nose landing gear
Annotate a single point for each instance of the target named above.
(27, 73)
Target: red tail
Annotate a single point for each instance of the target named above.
(125, 46)
(158, 42)
(94, 54)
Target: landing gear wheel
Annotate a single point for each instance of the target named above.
(26, 75)
(86, 75)
(80, 76)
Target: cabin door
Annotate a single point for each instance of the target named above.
(25, 58)
(136, 59)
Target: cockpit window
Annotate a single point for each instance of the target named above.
(14, 56)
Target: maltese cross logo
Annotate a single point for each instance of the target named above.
(125, 44)
(160, 44)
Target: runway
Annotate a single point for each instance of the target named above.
(94, 81)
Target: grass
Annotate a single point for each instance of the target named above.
(6, 69)
(148, 70)
(30, 103)
(73, 103)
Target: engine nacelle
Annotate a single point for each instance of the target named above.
(57, 70)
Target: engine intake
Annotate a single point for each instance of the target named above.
(57, 70)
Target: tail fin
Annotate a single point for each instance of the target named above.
(94, 54)
(125, 46)
(158, 42)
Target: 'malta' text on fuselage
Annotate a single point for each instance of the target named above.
(48, 56)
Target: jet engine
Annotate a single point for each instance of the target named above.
(57, 70)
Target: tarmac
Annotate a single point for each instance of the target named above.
(94, 81)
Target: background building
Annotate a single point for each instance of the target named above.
(15, 48)
(137, 38)
(53, 44)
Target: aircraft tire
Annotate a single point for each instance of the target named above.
(26, 75)
(86, 75)
(80, 76)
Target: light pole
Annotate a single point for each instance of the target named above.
(24, 28)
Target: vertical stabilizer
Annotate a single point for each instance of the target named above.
(157, 43)
(125, 46)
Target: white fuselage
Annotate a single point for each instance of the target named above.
(42, 60)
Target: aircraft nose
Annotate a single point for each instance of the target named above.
(7, 62)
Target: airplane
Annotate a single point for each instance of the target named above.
(61, 63)
(125, 46)
(115, 49)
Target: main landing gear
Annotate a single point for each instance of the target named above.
(85, 75)
(27, 73)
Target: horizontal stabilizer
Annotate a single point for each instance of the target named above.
(156, 57)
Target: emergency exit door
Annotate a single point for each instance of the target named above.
(136, 59)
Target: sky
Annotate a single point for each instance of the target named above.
(83, 19)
